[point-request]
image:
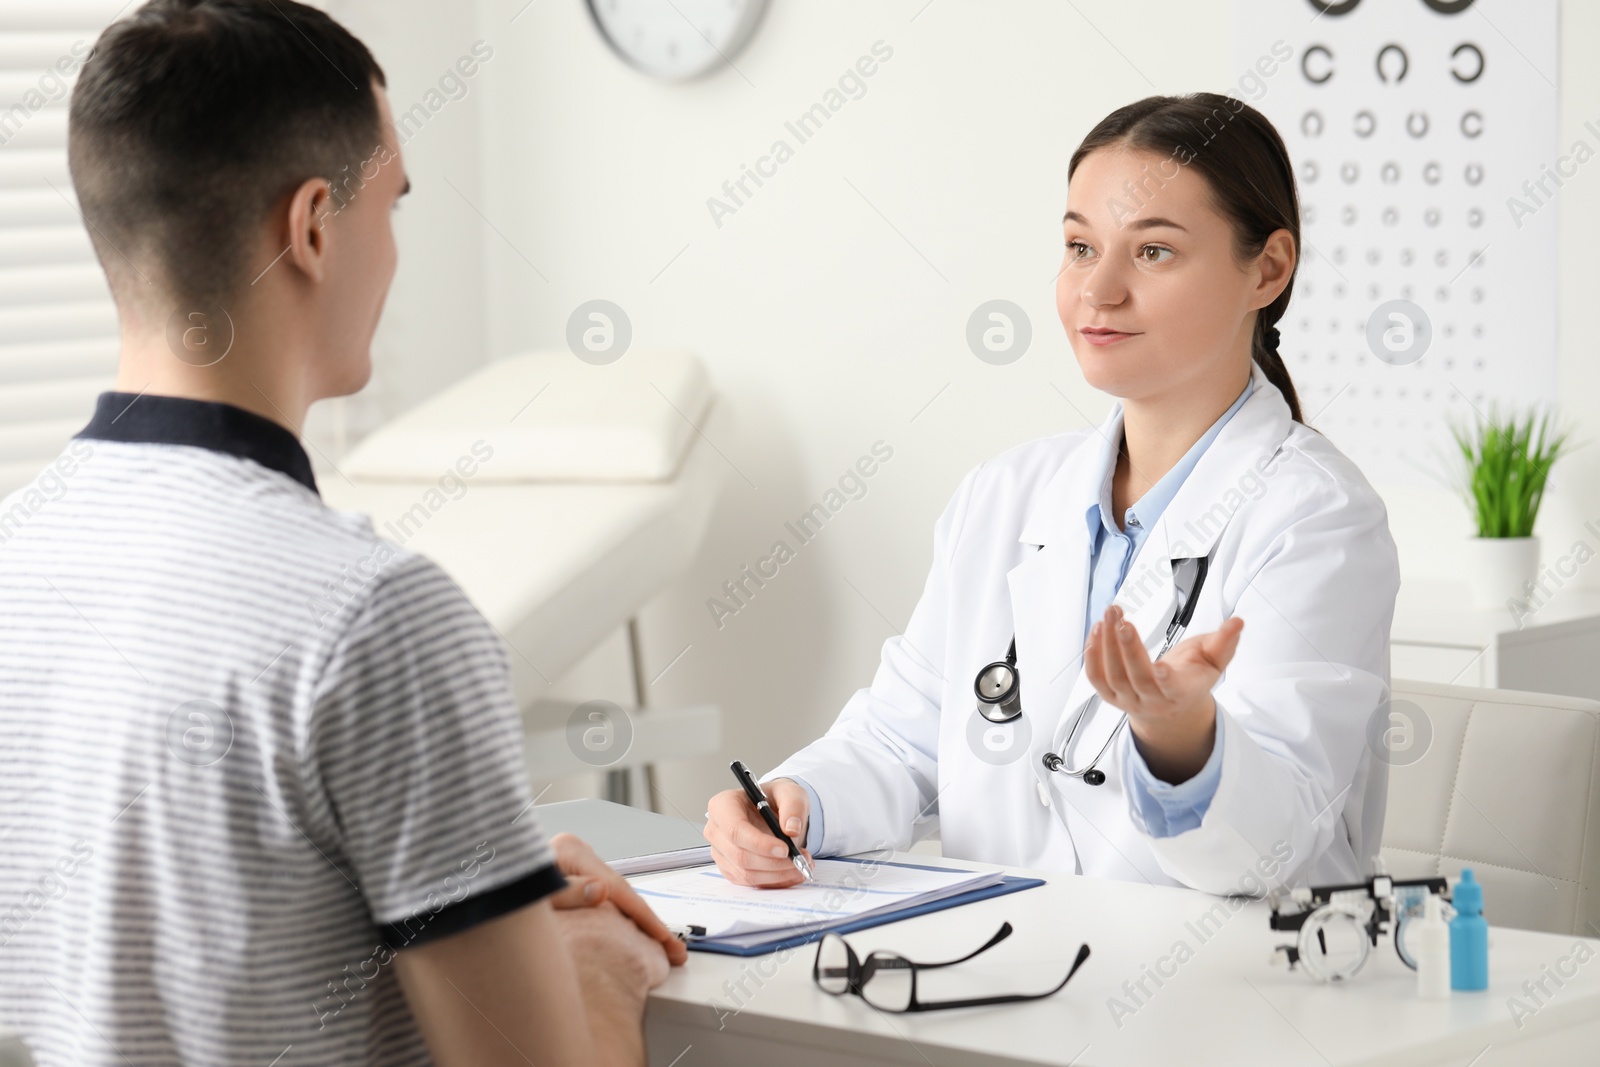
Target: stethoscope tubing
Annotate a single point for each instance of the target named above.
(1057, 763)
(1005, 705)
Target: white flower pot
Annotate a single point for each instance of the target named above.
(1498, 568)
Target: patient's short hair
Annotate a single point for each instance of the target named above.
(192, 118)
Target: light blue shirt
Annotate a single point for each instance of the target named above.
(1166, 809)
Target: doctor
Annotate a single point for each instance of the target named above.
(1238, 760)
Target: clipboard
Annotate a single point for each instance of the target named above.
(787, 939)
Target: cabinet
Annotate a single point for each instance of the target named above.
(1441, 635)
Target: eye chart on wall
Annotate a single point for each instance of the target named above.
(1423, 135)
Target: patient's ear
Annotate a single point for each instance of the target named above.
(304, 238)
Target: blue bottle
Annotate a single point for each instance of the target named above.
(1469, 935)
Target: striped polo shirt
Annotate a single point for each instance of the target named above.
(249, 750)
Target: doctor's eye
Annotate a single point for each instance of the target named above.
(1155, 248)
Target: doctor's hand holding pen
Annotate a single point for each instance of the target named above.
(746, 851)
(1169, 704)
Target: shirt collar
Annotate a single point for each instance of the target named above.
(1143, 513)
(140, 418)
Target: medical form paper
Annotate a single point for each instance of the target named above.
(844, 890)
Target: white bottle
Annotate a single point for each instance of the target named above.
(1430, 939)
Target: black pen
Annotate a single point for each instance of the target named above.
(759, 799)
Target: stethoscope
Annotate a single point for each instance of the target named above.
(999, 685)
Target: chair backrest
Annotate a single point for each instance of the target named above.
(1504, 782)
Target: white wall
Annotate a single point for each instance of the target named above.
(433, 329)
(832, 306)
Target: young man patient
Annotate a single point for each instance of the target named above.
(241, 827)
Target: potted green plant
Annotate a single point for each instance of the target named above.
(1506, 463)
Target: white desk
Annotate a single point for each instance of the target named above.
(1224, 1005)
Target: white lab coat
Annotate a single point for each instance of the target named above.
(1302, 553)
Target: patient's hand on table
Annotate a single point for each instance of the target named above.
(745, 850)
(611, 952)
(590, 882)
(617, 965)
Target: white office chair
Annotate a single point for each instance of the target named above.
(1507, 783)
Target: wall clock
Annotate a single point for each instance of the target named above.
(677, 39)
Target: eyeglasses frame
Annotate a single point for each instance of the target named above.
(859, 972)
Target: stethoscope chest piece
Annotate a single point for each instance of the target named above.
(998, 688)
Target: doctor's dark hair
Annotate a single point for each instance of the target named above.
(191, 119)
(1244, 162)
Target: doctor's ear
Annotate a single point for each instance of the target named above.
(1275, 265)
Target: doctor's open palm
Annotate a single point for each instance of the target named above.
(1169, 704)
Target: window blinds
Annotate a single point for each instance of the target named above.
(58, 326)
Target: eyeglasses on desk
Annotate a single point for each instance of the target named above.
(888, 981)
